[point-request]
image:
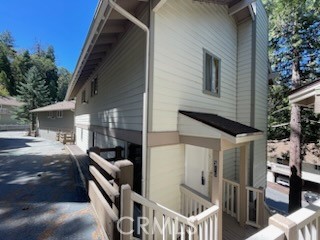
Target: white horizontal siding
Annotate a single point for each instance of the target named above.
(261, 91)
(182, 30)
(244, 72)
(166, 173)
(83, 139)
(120, 87)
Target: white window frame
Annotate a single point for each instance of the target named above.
(83, 96)
(59, 114)
(211, 74)
(94, 87)
(50, 114)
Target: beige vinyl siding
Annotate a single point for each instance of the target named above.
(182, 30)
(261, 90)
(66, 123)
(83, 139)
(244, 72)
(118, 103)
(6, 115)
(166, 173)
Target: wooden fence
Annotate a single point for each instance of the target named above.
(65, 137)
(103, 190)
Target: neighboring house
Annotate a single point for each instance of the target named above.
(182, 87)
(309, 96)
(54, 118)
(278, 159)
(7, 106)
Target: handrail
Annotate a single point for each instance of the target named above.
(258, 202)
(193, 202)
(231, 198)
(202, 226)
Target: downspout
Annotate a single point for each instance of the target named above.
(141, 25)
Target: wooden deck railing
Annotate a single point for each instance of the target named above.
(161, 222)
(231, 198)
(65, 137)
(300, 225)
(103, 190)
(192, 202)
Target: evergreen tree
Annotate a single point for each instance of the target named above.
(294, 52)
(63, 82)
(34, 93)
(5, 69)
(44, 62)
(20, 66)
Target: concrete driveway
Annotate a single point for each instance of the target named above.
(41, 195)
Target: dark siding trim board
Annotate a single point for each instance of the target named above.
(121, 134)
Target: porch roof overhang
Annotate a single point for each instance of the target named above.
(306, 95)
(207, 125)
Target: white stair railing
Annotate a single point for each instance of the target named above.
(161, 222)
(231, 198)
(300, 225)
(193, 202)
(255, 205)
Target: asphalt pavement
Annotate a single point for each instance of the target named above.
(41, 196)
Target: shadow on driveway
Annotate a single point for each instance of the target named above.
(41, 195)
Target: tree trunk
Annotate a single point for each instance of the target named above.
(295, 156)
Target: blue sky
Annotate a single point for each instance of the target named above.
(61, 23)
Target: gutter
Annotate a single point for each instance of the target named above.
(141, 25)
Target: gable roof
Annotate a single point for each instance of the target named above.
(310, 85)
(108, 26)
(228, 126)
(10, 101)
(59, 106)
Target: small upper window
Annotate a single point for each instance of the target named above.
(59, 114)
(83, 97)
(94, 87)
(211, 76)
(50, 114)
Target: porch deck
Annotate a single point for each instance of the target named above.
(233, 231)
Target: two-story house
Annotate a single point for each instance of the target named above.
(181, 85)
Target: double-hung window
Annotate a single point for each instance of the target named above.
(59, 114)
(94, 87)
(211, 74)
(83, 97)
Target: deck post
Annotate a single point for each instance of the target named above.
(217, 185)
(126, 213)
(244, 154)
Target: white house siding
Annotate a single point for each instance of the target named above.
(83, 139)
(244, 72)
(166, 173)
(119, 101)
(183, 29)
(261, 88)
(48, 127)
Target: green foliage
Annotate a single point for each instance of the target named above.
(20, 66)
(63, 82)
(294, 38)
(3, 91)
(34, 93)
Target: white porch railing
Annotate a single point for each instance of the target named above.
(300, 225)
(255, 198)
(159, 221)
(231, 198)
(192, 202)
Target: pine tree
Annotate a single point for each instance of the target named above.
(20, 66)
(63, 82)
(5, 67)
(34, 93)
(294, 51)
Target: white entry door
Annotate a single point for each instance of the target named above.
(197, 168)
